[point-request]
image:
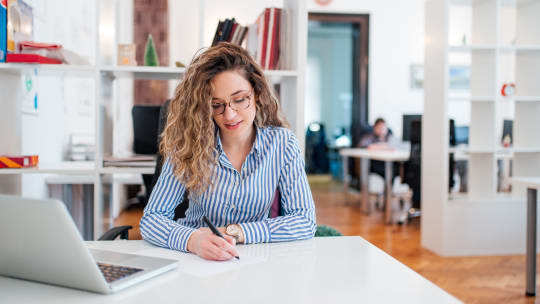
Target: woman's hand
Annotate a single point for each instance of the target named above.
(212, 247)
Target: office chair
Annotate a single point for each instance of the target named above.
(413, 167)
(180, 211)
(145, 134)
(316, 149)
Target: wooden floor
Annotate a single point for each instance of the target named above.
(492, 279)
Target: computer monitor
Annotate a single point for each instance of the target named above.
(462, 135)
(407, 120)
(507, 130)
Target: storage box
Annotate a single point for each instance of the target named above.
(19, 161)
(3, 30)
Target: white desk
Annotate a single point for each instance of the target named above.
(532, 184)
(320, 270)
(387, 156)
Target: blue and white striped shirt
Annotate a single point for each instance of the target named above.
(244, 198)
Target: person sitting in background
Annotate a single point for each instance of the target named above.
(378, 139)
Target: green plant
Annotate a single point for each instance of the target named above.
(150, 53)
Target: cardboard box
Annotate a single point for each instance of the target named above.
(3, 30)
(19, 161)
(20, 24)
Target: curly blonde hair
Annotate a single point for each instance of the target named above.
(188, 139)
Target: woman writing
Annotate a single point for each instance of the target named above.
(225, 142)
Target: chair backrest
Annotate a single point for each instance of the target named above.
(145, 129)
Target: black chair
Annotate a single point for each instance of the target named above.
(413, 167)
(317, 160)
(145, 137)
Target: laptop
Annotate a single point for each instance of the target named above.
(40, 242)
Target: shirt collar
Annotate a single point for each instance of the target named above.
(257, 145)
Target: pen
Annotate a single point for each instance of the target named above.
(215, 231)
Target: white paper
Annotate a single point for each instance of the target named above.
(194, 265)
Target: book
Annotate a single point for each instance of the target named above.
(3, 30)
(274, 54)
(219, 32)
(251, 40)
(26, 161)
(227, 29)
(264, 36)
(268, 38)
(31, 58)
(234, 28)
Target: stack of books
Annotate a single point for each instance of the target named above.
(266, 39)
(230, 31)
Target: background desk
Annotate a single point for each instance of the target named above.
(532, 184)
(320, 270)
(387, 156)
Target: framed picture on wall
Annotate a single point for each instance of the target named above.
(460, 77)
(417, 76)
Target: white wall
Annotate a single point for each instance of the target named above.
(396, 42)
(61, 101)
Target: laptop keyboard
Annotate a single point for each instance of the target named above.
(113, 273)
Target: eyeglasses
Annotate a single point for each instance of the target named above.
(239, 101)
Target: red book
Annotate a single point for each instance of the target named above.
(264, 38)
(31, 58)
(231, 34)
(274, 52)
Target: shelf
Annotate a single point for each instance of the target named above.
(526, 98)
(135, 170)
(472, 98)
(472, 47)
(524, 150)
(515, 2)
(81, 168)
(504, 198)
(143, 72)
(520, 48)
(467, 2)
(169, 73)
(49, 69)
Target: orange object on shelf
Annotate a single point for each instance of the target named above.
(26, 161)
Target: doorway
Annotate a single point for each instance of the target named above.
(336, 107)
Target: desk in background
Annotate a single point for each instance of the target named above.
(387, 156)
(532, 184)
(320, 270)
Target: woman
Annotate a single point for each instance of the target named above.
(226, 144)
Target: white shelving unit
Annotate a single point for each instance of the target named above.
(292, 98)
(502, 45)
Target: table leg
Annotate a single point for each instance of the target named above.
(364, 183)
(388, 192)
(346, 177)
(531, 242)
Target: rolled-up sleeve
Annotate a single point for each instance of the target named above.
(157, 225)
(299, 220)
